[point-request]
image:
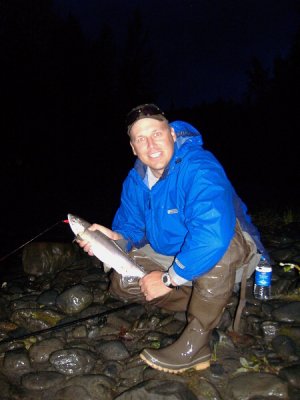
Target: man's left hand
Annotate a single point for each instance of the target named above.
(152, 285)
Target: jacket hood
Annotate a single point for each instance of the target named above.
(185, 131)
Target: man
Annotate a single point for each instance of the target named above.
(181, 219)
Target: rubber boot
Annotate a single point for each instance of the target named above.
(209, 297)
(192, 349)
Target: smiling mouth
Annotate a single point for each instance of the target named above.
(155, 155)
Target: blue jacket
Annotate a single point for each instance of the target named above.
(189, 213)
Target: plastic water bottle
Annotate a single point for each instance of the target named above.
(262, 282)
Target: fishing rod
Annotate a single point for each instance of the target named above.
(101, 316)
(65, 221)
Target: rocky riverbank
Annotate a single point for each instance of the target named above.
(97, 356)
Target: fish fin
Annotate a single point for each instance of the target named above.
(106, 267)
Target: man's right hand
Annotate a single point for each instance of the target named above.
(86, 246)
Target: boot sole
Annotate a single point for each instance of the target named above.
(198, 367)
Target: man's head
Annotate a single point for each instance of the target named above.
(144, 111)
(151, 137)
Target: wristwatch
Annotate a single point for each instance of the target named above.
(167, 281)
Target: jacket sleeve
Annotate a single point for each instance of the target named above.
(209, 218)
(129, 218)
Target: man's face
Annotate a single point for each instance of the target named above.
(152, 141)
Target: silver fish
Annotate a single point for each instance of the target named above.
(105, 249)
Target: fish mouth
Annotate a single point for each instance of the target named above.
(78, 225)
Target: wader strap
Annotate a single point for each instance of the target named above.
(242, 300)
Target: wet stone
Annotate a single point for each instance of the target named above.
(261, 384)
(217, 369)
(99, 294)
(44, 258)
(134, 312)
(74, 300)
(112, 369)
(270, 329)
(285, 347)
(92, 310)
(73, 392)
(289, 312)
(291, 331)
(133, 375)
(35, 319)
(48, 297)
(252, 309)
(99, 357)
(42, 380)
(253, 324)
(69, 277)
(24, 302)
(153, 336)
(205, 390)
(73, 361)
(266, 310)
(292, 375)
(112, 350)
(95, 277)
(284, 254)
(97, 386)
(16, 363)
(79, 332)
(281, 287)
(4, 387)
(41, 351)
(158, 390)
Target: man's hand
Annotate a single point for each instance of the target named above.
(96, 227)
(152, 286)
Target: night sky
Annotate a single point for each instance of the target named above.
(203, 48)
(66, 91)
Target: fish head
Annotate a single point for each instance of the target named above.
(78, 225)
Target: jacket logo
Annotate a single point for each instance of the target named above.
(180, 265)
(173, 211)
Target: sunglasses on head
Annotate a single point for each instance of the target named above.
(143, 111)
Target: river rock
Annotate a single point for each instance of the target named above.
(158, 390)
(205, 390)
(48, 297)
(16, 363)
(24, 302)
(112, 350)
(112, 369)
(97, 386)
(41, 351)
(42, 380)
(270, 329)
(291, 374)
(73, 392)
(4, 387)
(289, 312)
(285, 347)
(45, 258)
(291, 331)
(35, 319)
(74, 299)
(79, 332)
(256, 384)
(73, 361)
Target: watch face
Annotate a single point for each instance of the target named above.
(166, 279)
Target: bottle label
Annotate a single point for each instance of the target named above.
(263, 276)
